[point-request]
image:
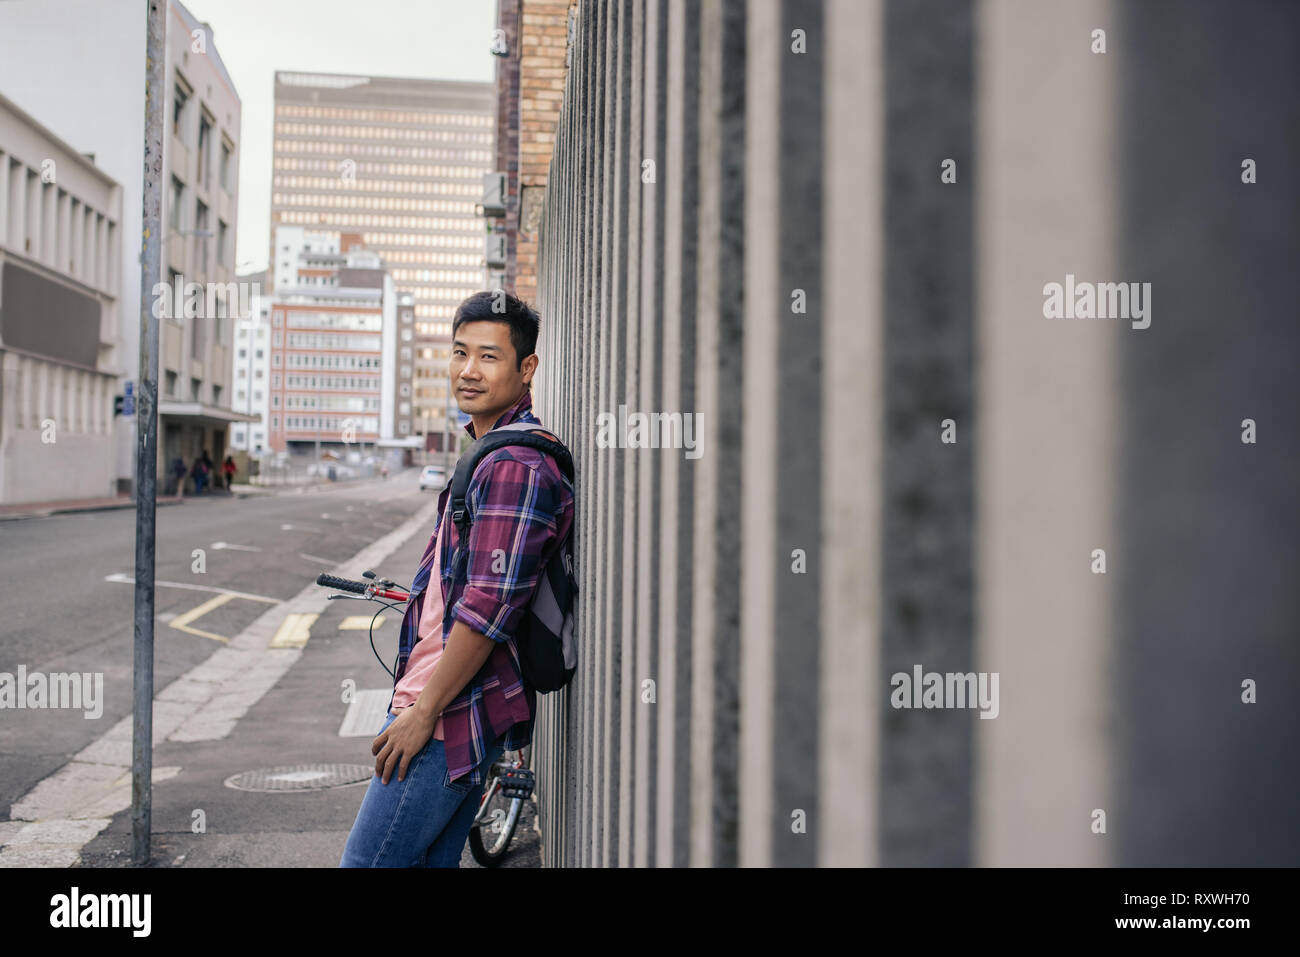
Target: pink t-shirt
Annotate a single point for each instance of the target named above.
(428, 646)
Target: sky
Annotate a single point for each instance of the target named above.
(432, 39)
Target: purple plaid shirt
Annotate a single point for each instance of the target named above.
(522, 507)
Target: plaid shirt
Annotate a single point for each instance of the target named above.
(522, 507)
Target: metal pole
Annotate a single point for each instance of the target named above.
(146, 437)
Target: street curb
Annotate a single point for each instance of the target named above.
(65, 509)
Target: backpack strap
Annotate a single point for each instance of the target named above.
(516, 433)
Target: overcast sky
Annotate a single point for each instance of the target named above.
(434, 39)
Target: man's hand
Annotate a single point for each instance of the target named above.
(401, 741)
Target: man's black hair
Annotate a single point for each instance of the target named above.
(502, 307)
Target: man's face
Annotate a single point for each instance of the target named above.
(484, 372)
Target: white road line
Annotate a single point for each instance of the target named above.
(71, 806)
(318, 559)
(129, 580)
(238, 548)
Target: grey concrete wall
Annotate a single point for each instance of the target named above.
(764, 238)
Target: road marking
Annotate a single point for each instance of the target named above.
(238, 548)
(129, 580)
(298, 528)
(316, 558)
(366, 713)
(182, 622)
(294, 630)
(359, 623)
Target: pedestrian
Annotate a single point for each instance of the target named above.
(459, 699)
(228, 468)
(209, 470)
(199, 472)
(178, 476)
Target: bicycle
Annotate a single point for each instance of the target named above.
(510, 782)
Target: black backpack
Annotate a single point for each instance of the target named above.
(545, 639)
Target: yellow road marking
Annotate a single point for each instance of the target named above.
(294, 631)
(182, 622)
(359, 623)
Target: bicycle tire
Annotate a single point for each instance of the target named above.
(493, 856)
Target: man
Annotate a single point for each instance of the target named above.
(459, 699)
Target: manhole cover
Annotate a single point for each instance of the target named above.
(301, 777)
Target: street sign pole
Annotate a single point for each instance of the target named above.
(146, 437)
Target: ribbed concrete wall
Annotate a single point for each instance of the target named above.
(763, 238)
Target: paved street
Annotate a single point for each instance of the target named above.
(240, 704)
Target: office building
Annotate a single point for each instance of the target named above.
(333, 342)
(399, 162)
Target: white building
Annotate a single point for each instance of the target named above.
(78, 67)
(252, 374)
(60, 322)
(334, 318)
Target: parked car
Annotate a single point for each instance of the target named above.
(433, 477)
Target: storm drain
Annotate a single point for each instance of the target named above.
(301, 777)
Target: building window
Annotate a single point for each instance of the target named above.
(169, 305)
(196, 386)
(174, 199)
(171, 384)
(275, 401)
(275, 382)
(222, 238)
(200, 227)
(216, 395)
(196, 339)
(226, 153)
(204, 148)
(275, 421)
(182, 97)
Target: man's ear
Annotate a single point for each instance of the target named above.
(529, 368)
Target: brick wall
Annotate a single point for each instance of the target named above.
(530, 88)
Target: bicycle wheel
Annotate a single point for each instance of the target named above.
(494, 826)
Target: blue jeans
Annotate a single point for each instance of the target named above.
(420, 821)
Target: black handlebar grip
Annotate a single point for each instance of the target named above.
(342, 584)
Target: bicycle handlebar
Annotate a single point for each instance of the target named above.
(365, 589)
(342, 584)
